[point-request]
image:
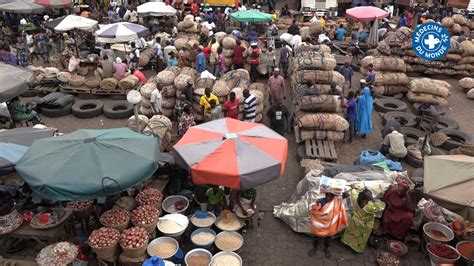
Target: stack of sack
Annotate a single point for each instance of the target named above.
(390, 77)
(188, 25)
(317, 116)
(425, 90)
(467, 84)
(145, 57)
(168, 79)
(228, 44)
(260, 91)
(185, 76)
(145, 104)
(128, 83)
(161, 126)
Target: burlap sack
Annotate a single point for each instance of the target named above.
(305, 33)
(322, 121)
(181, 43)
(165, 143)
(316, 89)
(315, 61)
(464, 67)
(391, 38)
(467, 47)
(160, 125)
(307, 134)
(259, 95)
(390, 89)
(128, 83)
(168, 103)
(147, 89)
(238, 93)
(447, 22)
(228, 42)
(404, 34)
(109, 84)
(203, 83)
(384, 63)
(221, 88)
(470, 94)
(319, 77)
(458, 58)
(422, 86)
(241, 73)
(466, 83)
(182, 80)
(320, 103)
(145, 102)
(259, 87)
(165, 77)
(426, 98)
(460, 19)
(168, 91)
(456, 28)
(143, 121)
(383, 48)
(391, 79)
(315, 28)
(146, 111)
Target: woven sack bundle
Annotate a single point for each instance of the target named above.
(128, 83)
(320, 103)
(391, 38)
(221, 88)
(199, 92)
(64, 77)
(322, 121)
(259, 95)
(203, 83)
(181, 43)
(447, 22)
(147, 89)
(384, 63)
(305, 32)
(182, 80)
(168, 91)
(390, 90)
(92, 82)
(308, 134)
(166, 77)
(422, 86)
(259, 87)
(456, 28)
(391, 79)
(460, 19)
(468, 48)
(109, 84)
(315, 61)
(433, 81)
(320, 77)
(464, 67)
(317, 89)
(228, 42)
(426, 98)
(50, 72)
(315, 28)
(165, 143)
(470, 94)
(238, 94)
(458, 59)
(146, 111)
(187, 23)
(466, 83)
(189, 71)
(143, 121)
(145, 102)
(383, 48)
(404, 34)
(168, 103)
(160, 125)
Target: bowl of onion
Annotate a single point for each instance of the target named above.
(134, 241)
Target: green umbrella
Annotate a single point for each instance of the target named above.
(88, 164)
(251, 16)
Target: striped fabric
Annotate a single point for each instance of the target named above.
(250, 105)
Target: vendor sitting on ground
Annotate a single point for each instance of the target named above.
(399, 210)
(106, 68)
(391, 123)
(239, 198)
(22, 112)
(328, 217)
(215, 196)
(394, 144)
(120, 69)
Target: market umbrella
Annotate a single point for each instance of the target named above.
(251, 16)
(2, 2)
(22, 7)
(54, 3)
(14, 81)
(449, 180)
(121, 32)
(88, 164)
(71, 22)
(374, 34)
(155, 9)
(232, 153)
(366, 13)
(15, 142)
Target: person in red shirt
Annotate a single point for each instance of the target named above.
(231, 106)
(141, 77)
(238, 59)
(194, 8)
(207, 51)
(254, 61)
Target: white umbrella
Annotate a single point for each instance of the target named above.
(121, 32)
(155, 9)
(71, 22)
(22, 7)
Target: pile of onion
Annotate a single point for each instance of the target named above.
(114, 217)
(79, 205)
(145, 215)
(103, 237)
(134, 237)
(149, 196)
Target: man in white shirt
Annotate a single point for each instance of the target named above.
(158, 54)
(169, 48)
(209, 26)
(394, 143)
(155, 101)
(314, 18)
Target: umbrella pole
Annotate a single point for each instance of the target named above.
(137, 121)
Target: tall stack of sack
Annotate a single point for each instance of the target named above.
(426, 90)
(228, 44)
(188, 25)
(390, 77)
(468, 87)
(167, 80)
(161, 126)
(317, 116)
(145, 104)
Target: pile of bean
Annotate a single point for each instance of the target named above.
(385, 258)
(115, 216)
(103, 237)
(133, 237)
(79, 205)
(442, 251)
(144, 215)
(149, 196)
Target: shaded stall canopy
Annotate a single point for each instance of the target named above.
(14, 81)
(22, 7)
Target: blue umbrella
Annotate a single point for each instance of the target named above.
(10, 154)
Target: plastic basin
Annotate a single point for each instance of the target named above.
(440, 227)
(226, 253)
(168, 204)
(178, 217)
(201, 230)
(438, 260)
(224, 233)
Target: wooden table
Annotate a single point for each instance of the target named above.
(321, 149)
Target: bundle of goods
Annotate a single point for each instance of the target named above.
(42, 73)
(228, 43)
(142, 122)
(458, 61)
(261, 93)
(199, 86)
(188, 25)
(104, 242)
(109, 84)
(161, 126)
(145, 57)
(467, 84)
(145, 104)
(128, 83)
(317, 114)
(427, 90)
(390, 77)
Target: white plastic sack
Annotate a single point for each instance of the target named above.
(207, 75)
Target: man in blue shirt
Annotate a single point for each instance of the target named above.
(363, 35)
(200, 61)
(341, 33)
(351, 116)
(403, 20)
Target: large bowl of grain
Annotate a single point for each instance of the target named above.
(163, 247)
(198, 257)
(173, 225)
(229, 241)
(203, 237)
(226, 258)
(205, 222)
(234, 224)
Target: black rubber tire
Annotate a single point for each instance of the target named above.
(87, 108)
(405, 119)
(398, 96)
(384, 105)
(57, 112)
(412, 135)
(29, 93)
(441, 110)
(87, 96)
(444, 122)
(301, 153)
(457, 138)
(118, 110)
(415, 162)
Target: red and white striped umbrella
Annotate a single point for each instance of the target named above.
(53, 3)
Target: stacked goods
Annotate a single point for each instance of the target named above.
(427, 90)
(199, 86)
(128, 83)
(145, 57)
(468, 86)
(317, 115)
(109, 84)
(390, 78)
(145, 104)
(161, 126)
(188, 25)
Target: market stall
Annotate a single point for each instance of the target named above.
(14, 80)
(155, 9)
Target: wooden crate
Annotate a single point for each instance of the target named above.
(108, 92)
(70, 89)
(46, 89)
(321, 149)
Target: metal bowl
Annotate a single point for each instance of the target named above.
(223, 233)
(440, 227)
(175, 234)
(209, 214)
(438, 260)
(206, 230)
(163, 239)
(168, 204)
(241, 223)
(197, 252)
(226, 253)
(457, 248)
